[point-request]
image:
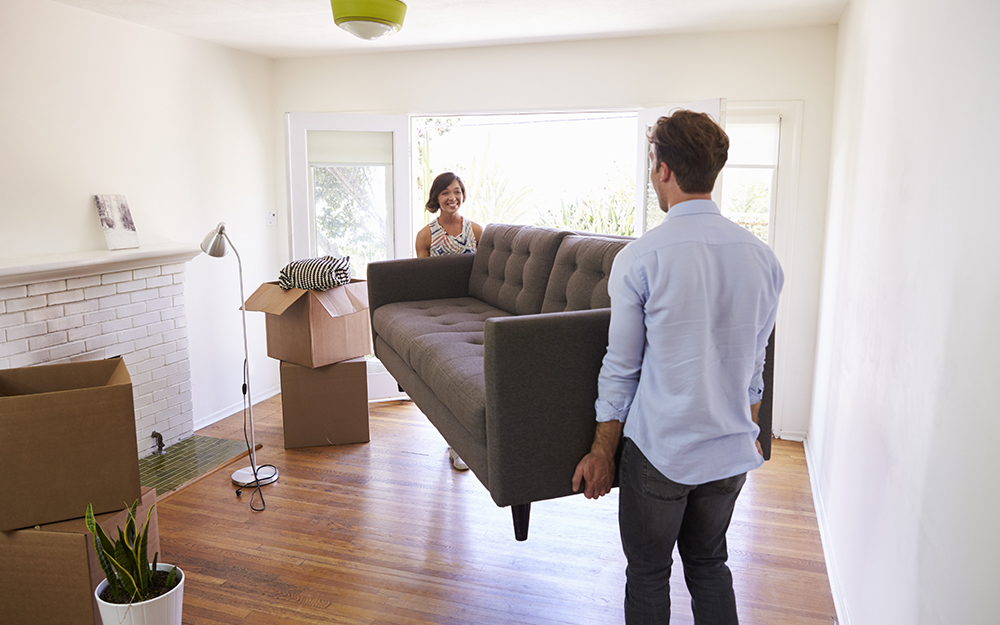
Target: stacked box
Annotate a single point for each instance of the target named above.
(67, 438)
(315, 328)
(325, 406)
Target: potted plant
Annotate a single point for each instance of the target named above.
(134, 591)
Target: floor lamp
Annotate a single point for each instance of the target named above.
(216, 244)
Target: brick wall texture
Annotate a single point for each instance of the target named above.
(137, 314)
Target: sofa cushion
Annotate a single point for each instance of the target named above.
(579, 278)
(442, 341)
(512, 266)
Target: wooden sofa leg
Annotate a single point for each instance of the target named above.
(520, 513)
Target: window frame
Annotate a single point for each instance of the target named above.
(781, 226)
(297, 126)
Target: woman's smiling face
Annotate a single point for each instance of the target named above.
(451, 198)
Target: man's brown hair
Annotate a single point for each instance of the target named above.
(693, 146)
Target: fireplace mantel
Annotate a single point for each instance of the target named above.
(20, 271)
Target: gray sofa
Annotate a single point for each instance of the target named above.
(501, 351)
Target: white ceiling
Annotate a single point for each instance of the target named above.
(291, 28)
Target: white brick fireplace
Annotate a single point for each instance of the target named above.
(127, 303)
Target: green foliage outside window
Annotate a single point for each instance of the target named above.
(347, 217)
(608, 210)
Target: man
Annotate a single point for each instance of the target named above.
(693, 302)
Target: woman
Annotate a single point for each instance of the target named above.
(449, 233)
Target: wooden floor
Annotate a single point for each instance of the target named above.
(388, 533)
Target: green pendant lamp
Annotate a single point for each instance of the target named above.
(369, 19)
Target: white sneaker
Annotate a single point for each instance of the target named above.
(457, 462)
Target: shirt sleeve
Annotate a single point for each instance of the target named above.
(619, 377)
(756, 390)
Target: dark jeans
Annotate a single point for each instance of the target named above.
(656, 512)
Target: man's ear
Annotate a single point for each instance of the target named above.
(663, 171)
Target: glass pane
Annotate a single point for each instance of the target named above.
(654, 214)
(746, 198)
(753, 144)
(353, 212)
(572, 171)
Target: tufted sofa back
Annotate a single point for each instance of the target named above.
(512, 266)
(579, 277)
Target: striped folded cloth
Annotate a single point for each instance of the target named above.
(316, 274)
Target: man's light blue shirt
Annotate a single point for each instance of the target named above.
(693, 302)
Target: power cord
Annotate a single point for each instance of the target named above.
(246, 438)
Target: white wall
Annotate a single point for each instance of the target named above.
(903, 442)
(184, 129)
(793, 64)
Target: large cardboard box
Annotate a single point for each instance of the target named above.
(67, 438)
(325, 406)
(315, 328)
(49, 573)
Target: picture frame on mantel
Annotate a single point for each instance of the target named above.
(116, 220)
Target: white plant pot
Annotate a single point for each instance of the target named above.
(162, 610)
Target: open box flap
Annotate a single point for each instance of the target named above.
(344, 300)
(63, 377)
(272, 299)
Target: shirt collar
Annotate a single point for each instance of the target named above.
(693, 207)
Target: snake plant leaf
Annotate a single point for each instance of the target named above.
(171, 578)
(101, 544)
(130, 530)
(125, 566)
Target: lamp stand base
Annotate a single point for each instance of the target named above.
(244, 477)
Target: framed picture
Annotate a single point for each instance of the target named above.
(116, 219)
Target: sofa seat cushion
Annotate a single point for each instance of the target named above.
(442, 341)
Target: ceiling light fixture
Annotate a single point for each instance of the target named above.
(369, 19)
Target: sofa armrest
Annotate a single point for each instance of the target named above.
(414, 279)
(541, 384)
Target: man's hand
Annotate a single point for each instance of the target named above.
(596, 470)
(754, 410)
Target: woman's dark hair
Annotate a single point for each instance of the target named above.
(693, 146)
(441, 183)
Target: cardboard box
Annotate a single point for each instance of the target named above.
(67, 438)
(50, 572)
(315, 328)
(325, 406)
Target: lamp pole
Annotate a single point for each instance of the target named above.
(213, 245)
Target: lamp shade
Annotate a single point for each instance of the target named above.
(214, 243)
(369, 19)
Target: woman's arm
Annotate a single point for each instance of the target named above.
(478, 231)
(423, 244)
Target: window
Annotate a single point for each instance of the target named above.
(347, 176)
(350, 195)
(573, 170)
(749, 179)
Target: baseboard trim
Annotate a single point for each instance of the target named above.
(258, 396)
(832, 572)
(786, 435)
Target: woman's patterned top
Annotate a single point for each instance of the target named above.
(443, 243)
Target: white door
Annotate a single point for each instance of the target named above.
(346, 176)
(647, 210)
